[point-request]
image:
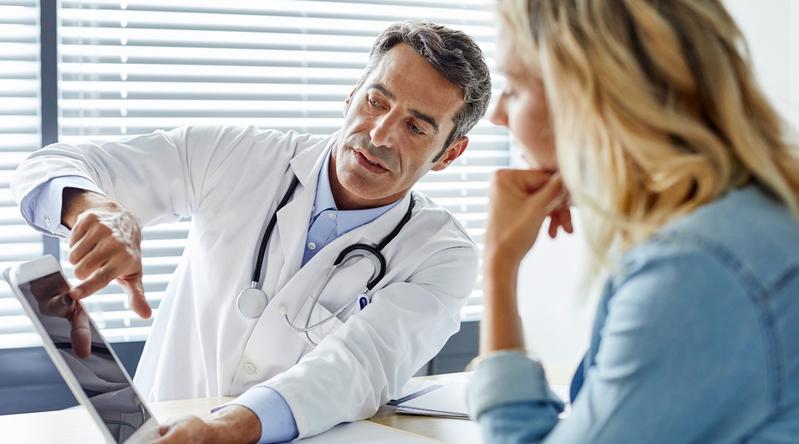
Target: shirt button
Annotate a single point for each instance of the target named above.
(47, 221)
(250, 368)
(311, 246)
(332, 216)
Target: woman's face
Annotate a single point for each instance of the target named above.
(522, 108)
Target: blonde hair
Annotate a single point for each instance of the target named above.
(655, 110)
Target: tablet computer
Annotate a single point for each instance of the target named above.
(81, 354)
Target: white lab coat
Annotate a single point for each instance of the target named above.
(229, 181)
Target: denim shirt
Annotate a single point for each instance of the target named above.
(696, 340)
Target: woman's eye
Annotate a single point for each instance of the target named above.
(416, 129)
(373, 102)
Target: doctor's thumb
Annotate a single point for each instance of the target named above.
(138, 303)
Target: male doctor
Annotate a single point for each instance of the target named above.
(424, 88)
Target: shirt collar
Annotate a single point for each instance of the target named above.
(346, 220)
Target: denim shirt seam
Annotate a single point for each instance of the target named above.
(758, 295)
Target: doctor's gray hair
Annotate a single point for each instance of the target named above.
(452, 53)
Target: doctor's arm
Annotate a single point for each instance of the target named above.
(111, 188)
(261, 410)
(378, 349)
(77, 204)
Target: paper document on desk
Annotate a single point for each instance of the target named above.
(444, 400)
(367, 432)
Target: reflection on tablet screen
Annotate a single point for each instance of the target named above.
(87, 354)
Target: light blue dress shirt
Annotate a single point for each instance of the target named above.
(42, 209)
(695, 341)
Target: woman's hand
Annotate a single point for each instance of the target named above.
(521, 200)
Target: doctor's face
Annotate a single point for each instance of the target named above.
(395, 127)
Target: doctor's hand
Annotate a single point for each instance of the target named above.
(521, 200)
(105, 244)
(232, 424)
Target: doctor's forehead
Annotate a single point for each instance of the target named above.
(410, 77)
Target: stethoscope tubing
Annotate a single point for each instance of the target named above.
(343, 257)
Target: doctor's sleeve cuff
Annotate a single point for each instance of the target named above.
(41, 208)
(507, 377)
(277, 421)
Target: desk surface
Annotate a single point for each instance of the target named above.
(76, 426)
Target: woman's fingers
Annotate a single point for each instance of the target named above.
(560, 218)
(519, 206)
(566, 219)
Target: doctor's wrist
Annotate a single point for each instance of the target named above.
(75, 201)
(235, 424)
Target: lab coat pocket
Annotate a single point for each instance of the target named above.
(320, 314)
(340, 296)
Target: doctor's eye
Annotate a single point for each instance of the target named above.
(373, 103)
(415, 129)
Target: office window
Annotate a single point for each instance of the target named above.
(19, 136)
(130, 67)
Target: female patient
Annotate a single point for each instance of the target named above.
(647, 114)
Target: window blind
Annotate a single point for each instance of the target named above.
(19, 136)
(131, 67)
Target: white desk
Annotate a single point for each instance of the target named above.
(74, 426)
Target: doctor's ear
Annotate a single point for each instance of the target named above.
(348, 100)
(450, 153)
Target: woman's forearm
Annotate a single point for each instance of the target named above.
(501, 327)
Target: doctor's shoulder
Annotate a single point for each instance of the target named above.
(245, 140)
(437, 227)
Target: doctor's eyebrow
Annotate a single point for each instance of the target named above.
(383, 90)
(422, 116)
(415, 113)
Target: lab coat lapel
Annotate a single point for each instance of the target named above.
(293, 219)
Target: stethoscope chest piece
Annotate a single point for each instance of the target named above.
(252, 302)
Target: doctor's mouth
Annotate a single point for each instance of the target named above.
(371, 157)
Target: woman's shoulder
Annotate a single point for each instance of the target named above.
(747, 233)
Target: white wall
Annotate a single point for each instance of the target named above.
(557, 324)
(771, 28)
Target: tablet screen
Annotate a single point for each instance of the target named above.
(87, 355)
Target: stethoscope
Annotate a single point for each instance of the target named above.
(252, 301)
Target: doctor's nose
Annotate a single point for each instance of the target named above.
(383, 130)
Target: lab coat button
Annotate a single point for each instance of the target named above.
(332, 216)
(311, 246)
(47, 221)
(249, 368)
